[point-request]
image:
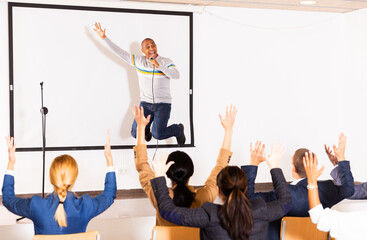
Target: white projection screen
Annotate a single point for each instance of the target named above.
(87, 88)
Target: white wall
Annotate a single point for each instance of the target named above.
(298, 77)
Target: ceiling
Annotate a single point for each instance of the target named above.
(338, 6)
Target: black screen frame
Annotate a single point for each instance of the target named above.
(12, 5)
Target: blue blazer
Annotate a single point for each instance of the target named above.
(79, 211)
(360, 191)
(330, 194)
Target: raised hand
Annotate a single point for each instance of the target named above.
(11, 152)
(257, 153)
(99, 31)
(140, 119)
(159, 165)
(107, 150)
(340, 150)
(229, 118)
(277, 151)
(310, 164)
(333, 159)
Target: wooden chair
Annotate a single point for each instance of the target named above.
(92, 235)
(300, 228)
(175, 232)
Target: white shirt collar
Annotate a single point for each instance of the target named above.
(296, 181)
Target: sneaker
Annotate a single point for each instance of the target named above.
(181, 139)
(148, 136)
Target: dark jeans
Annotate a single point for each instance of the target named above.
(159, 116)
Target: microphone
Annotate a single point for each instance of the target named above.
(150, 59)
(44, 110)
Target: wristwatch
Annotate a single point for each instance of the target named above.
(311, 186)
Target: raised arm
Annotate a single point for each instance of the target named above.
(276, 209)
(194, 217)
(209, 192)
(258, 156)
(141, 122)
(116, 49)
(227, 123)
(106, 198)
(316, 209)
(18, 206)
(310, 164)
(107, 150)
(360, 191)
(341, 173)
(283, 203)
(333, 159)
(140, 154)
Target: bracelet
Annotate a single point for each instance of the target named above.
(311, 186)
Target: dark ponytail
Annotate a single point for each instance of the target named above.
(179, 173)
(235, 214)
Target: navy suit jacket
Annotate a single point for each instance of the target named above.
(206, 217)
(79, 211)
(360, 191)
(330, 194)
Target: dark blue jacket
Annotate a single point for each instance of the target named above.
(360, 191)
(330, 194)
(79, 211)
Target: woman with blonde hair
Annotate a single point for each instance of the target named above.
(60, 212)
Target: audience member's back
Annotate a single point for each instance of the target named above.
(330, 194)
(60, 212)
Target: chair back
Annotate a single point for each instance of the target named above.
(175, 232)
(300, 228)
(92, 235)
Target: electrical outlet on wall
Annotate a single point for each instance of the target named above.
(121, 170)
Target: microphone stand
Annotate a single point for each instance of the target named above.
(156, 147)
(43, 111)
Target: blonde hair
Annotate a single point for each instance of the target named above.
(63, 173)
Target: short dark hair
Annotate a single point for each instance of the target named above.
(146, 39)
(298, 161)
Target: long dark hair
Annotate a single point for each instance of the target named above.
(235, 214)
(179, 173)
